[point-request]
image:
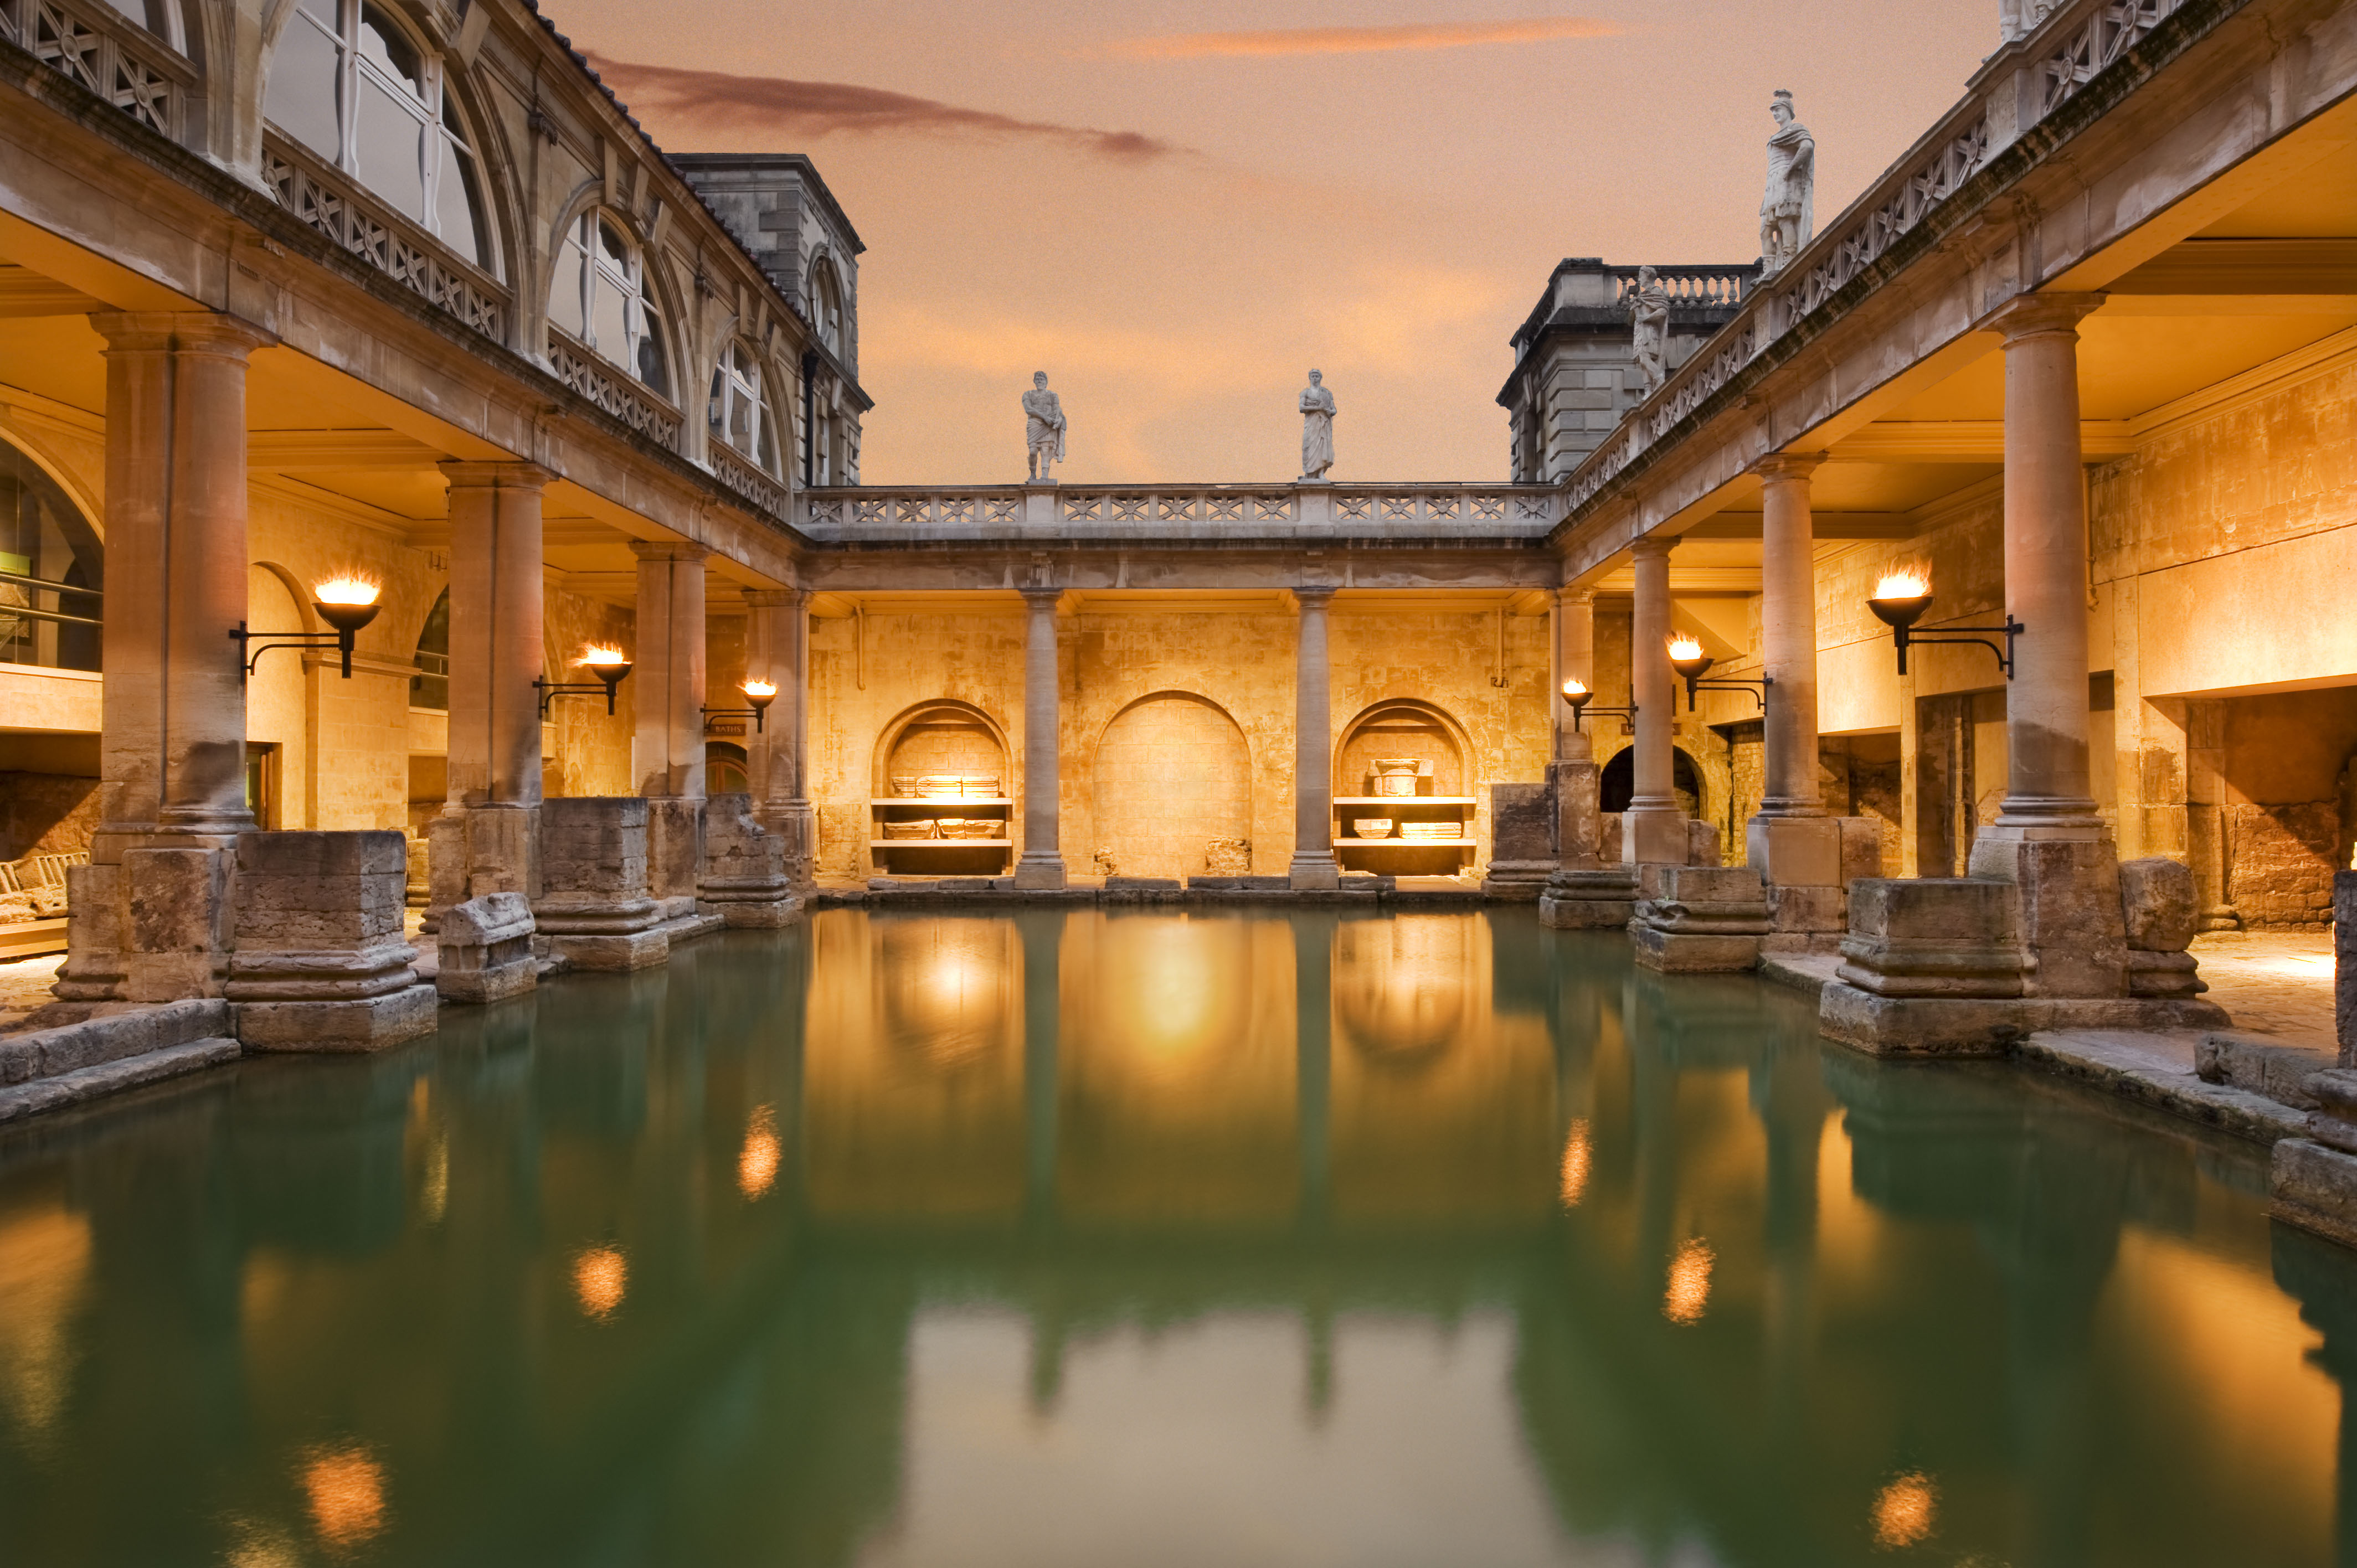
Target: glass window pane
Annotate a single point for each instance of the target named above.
(458, 209)
(391, 144)
(565, 289)
(651, 368)
(616, 251)
(609, 321)
(329, 13)
(715, 411)
(302, 97)
(385, 46)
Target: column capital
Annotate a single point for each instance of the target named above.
(188, 331)
(1652, 547)
(776, 598)
(1042, 596)
(670, 550)
(496, 474)
(1571, 598)
(1787, 466)
(2041, 314)
(1310, 596)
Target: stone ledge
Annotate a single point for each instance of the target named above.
(2315, 1188)
(112, 1077)
(2260, 1065)
(2130, 1064)
(87, 1034)
(1989, 1025)
(1809, 971)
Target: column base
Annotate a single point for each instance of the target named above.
(1313, 873)
(1699, 920)
(357, 1023)
(1654, 836)
(1603, 899)
(1044, 870)
(2070, 908)
(1988, 1027)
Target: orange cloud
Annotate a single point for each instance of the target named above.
(713, 99)
(1357, 41)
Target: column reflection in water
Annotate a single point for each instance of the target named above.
(1427, 1235)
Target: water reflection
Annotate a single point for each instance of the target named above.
(1088, 1238)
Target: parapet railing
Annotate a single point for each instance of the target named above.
(2020, 86)
(368, 230)
(747, 483)
(1191, 510)
(104, 51)
(1719, 287)
(613, 389)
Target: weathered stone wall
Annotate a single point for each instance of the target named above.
(584, 751)
(46, 813)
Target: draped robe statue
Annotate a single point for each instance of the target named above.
(1649, 314)
(1788, 211)
(1316, 428)
(1043, 426)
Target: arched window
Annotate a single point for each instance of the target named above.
(349, 84)
(161, 17)
(47, 552)
(740, 411)
(430, 687)
(826, 304)
(600, 297)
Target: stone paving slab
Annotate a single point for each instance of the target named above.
(2157, 1067)
(112, 1076)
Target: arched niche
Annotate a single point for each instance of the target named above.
(938, 740)
(1173, 772)
(1404, 727)
(726, 768)
(1617, 783)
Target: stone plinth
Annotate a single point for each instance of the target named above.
(321, 964)
(486, 946)
(474, 850)
(1604, 899)
(2160, 912)
(744, 879)
(1808, 864)
(674, 853)
(1936, 966)
(1521, 842)
(2314, 1179)
(2069, 910)
(1694, 919)
(593, 904)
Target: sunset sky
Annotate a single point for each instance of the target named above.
(1177, 209)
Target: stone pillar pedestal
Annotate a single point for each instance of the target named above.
(1695, 918)
(744, 879)
(1314, 866)
(593, 906)
(1522, 841)
(487, 949)
(149, 917)
(321, 961)
(1042, 860)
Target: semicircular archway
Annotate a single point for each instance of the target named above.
(1173, 773)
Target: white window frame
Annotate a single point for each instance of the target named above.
(737, 380)
(641, 313)
(430, 111)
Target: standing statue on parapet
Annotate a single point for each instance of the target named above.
(1043, 431)
(1649, 316)
(1316, 428)
(1788, 213)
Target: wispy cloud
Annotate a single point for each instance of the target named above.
(716, 98)
(1355, 40)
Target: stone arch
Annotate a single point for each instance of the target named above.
(1617, 782)
(1173, 771)
(943, 736)
(47, 533)
(1405, 726)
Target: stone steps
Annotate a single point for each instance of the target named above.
(43, 1069)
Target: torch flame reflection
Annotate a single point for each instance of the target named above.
(1575, 1155)
(600, 1279)
(757, 1162)
(1905, 1511)
(345, 1489)
(1689, 1290)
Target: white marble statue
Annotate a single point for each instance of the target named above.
(2015, 18)
(1648, 316)
(1043, 431)
(1788, 211)
(1316, 428)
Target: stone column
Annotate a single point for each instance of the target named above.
(1313, 749)
(1792, 841)
(2047, 836)
(1653, 832)
(668, 751)
(778, 650)
(1042, 865)
(172, 757)
(1575, 659)
(487, 838)
(1583, 894)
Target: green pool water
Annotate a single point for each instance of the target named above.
(1154, 1238)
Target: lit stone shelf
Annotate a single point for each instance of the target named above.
(1340, 843)
(941, 844)
(1341, 800)
(943, 800)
